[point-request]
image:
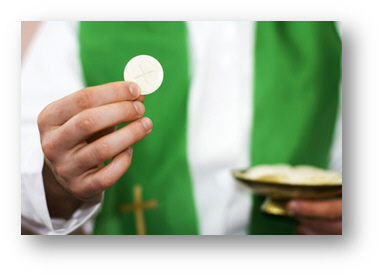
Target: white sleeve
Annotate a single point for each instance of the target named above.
(51, 70)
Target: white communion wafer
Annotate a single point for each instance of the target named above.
(145, 71)
(283, 173)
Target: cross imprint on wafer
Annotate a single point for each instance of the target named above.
(143, 74)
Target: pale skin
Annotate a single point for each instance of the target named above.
(78, 134)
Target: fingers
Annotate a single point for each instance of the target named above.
(112, 144)
(319, 227)
(141, 98)
(107, 176)
(58, 112)
(326, 209)
(88, 122)
(319, 217)
(101, 133)
(78, 134)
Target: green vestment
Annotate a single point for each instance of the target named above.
(297, 72)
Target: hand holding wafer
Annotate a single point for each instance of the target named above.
(77, 137)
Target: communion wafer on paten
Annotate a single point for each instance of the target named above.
(294, 175)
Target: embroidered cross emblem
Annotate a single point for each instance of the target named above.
(143, 74)
(138, 207)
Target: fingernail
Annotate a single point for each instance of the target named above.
(293, 206)
(130, 150)
(139, 107)
(147, 123)
(135, 90)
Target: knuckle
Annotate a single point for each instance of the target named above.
(43, 117)
(65, 131)
(84, 98)
(101, 151)
(49, 148)
(85, 122)
(116, 89)
(127, 109)
(80, 158)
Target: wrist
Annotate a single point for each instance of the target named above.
(61, 203)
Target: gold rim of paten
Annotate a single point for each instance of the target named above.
(239, 174)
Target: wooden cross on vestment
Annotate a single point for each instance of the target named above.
(138, 207)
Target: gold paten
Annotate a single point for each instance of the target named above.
(278, 193)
